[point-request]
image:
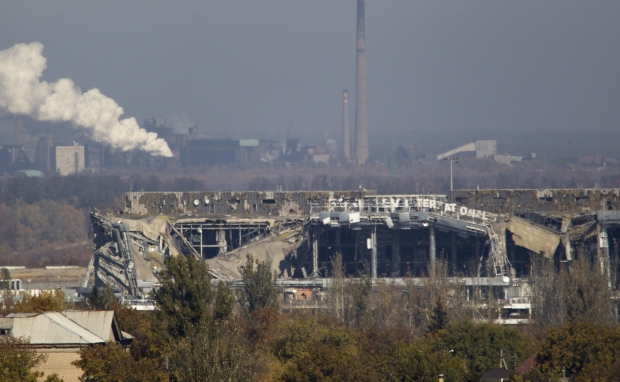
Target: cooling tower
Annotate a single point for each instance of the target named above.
(361, 118)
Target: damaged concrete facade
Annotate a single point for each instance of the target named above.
(486, 237)
(220, 227)
(554, 223)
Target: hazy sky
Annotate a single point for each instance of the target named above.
(247, 68)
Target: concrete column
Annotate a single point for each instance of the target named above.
(453, 259)
(337, 233)
(432, 253)
(603, 253)
(373, 247)
(414, 259)
(221, 242)
(478, 256)
(567, 247)
(357, 239)
(395, 253)
(315, 252)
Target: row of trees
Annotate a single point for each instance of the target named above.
(358, 333)
(203, 334)
(26, 227)
(102, 191)
(425, 176)
(579, 292)
(41, 218)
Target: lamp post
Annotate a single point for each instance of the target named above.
(455, 160)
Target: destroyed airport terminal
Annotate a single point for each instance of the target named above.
(486, 237)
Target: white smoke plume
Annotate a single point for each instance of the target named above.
(22, 92)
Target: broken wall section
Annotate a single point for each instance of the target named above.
(562, 200)
(533, 237)
(264, 203)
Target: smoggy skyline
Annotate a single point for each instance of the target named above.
(247, 69)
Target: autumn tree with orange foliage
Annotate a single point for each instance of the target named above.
(47, 301)
(110, 362)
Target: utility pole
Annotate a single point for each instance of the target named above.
(515, 361)
(451, 160)
(502, 361)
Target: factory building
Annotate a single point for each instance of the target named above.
(483, 149)
(44, 153)
(70, 159)
(480, 148)
(219, 151)
(14, 156)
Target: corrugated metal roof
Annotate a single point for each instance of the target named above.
(52, 328)
(99, 322)
(248, 142)
(18, 315)
(6, 323)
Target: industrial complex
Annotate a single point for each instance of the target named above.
(36, 152)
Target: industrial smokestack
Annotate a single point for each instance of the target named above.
(361, 118)
(17, 130)
(346, 148)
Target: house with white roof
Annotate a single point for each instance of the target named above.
(61, 335)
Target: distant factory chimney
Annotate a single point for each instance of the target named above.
(17, 130)
(361, 118)
(346, 148)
